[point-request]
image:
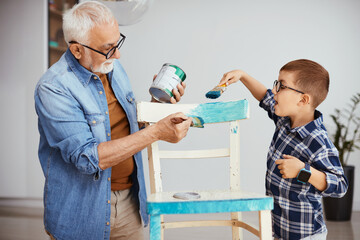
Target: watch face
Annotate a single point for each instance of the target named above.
(304, 176)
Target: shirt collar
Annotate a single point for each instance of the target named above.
(80, 72)
(305, 130)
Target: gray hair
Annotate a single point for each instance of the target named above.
(80, 19)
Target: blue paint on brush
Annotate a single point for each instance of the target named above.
(197, 121)
(216, 92)
(221, 111)
(213, 94)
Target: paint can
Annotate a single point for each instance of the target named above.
(168, 78)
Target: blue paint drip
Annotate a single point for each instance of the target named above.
(234, 130)
(221, 111)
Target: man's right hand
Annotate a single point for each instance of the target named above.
(173, 128)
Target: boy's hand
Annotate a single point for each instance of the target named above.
(257, 89)
(289, 166)
(231, 77)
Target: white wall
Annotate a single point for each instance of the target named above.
(206, 39)
(22, 58)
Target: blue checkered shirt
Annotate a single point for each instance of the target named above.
(297, 209)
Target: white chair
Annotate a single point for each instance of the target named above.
(232, 200)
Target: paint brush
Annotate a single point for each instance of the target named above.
(216, 91)
(196, 121)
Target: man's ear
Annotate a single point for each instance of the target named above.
(76, 50)
(305, 99)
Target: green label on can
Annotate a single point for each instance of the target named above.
(179, 72)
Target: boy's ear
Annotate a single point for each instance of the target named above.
(76, 50)
(305, 99)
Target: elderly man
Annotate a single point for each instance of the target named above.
(90, 141)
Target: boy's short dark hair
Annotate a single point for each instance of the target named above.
(311, 78)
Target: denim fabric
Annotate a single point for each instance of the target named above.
(71, 105)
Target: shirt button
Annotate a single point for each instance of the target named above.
(108, 201)
(107, 223)
(94, 122)
(95, 77)
(106, 113)
(108, 134)
(109, 179)
(101, 92)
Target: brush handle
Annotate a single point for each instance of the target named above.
(177, 120)
(221, 88)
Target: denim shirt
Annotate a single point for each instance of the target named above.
(72, 114)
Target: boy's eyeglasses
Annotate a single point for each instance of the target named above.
(278, 85)
(111, 52)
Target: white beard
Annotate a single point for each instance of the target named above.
(105, 67)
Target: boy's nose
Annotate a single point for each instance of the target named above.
(273, 91)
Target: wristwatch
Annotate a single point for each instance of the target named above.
(304, 174)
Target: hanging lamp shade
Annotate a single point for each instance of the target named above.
(128, 12)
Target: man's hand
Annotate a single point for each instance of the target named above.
(289, 166)
(173, 128)
(177, 92)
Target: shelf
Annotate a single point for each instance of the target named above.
(60, 49)
(55, 12)
(56, 42)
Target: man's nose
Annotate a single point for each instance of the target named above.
(116, 54)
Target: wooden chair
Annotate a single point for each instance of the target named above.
(232, 200)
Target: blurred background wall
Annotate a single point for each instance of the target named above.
(204, 38)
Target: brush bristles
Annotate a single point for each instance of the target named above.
(215, 92)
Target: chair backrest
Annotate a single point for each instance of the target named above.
(218, 112)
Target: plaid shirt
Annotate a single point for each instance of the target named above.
(297, 209)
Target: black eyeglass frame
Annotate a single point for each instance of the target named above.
(278, 85)
(111, 52)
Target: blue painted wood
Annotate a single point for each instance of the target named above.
(155, 227)
(221, 111)
(230, 205)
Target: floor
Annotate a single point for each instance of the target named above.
(26, 224)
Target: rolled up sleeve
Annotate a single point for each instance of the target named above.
(66, 128)
(337, 184)
(267, 103)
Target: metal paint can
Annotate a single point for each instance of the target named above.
(168, 78)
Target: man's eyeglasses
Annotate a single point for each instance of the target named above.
(111, 52)
(278, 85)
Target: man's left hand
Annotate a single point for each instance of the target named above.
(289, 166)
(177, 92)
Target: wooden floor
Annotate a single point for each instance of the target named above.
(26, 224)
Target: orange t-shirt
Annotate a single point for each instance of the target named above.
(121, 173)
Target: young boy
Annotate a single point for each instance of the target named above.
(302, 163)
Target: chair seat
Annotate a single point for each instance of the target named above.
(214, 201)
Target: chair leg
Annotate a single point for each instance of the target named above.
(237, 232)
(155, 227)
(265, 225)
